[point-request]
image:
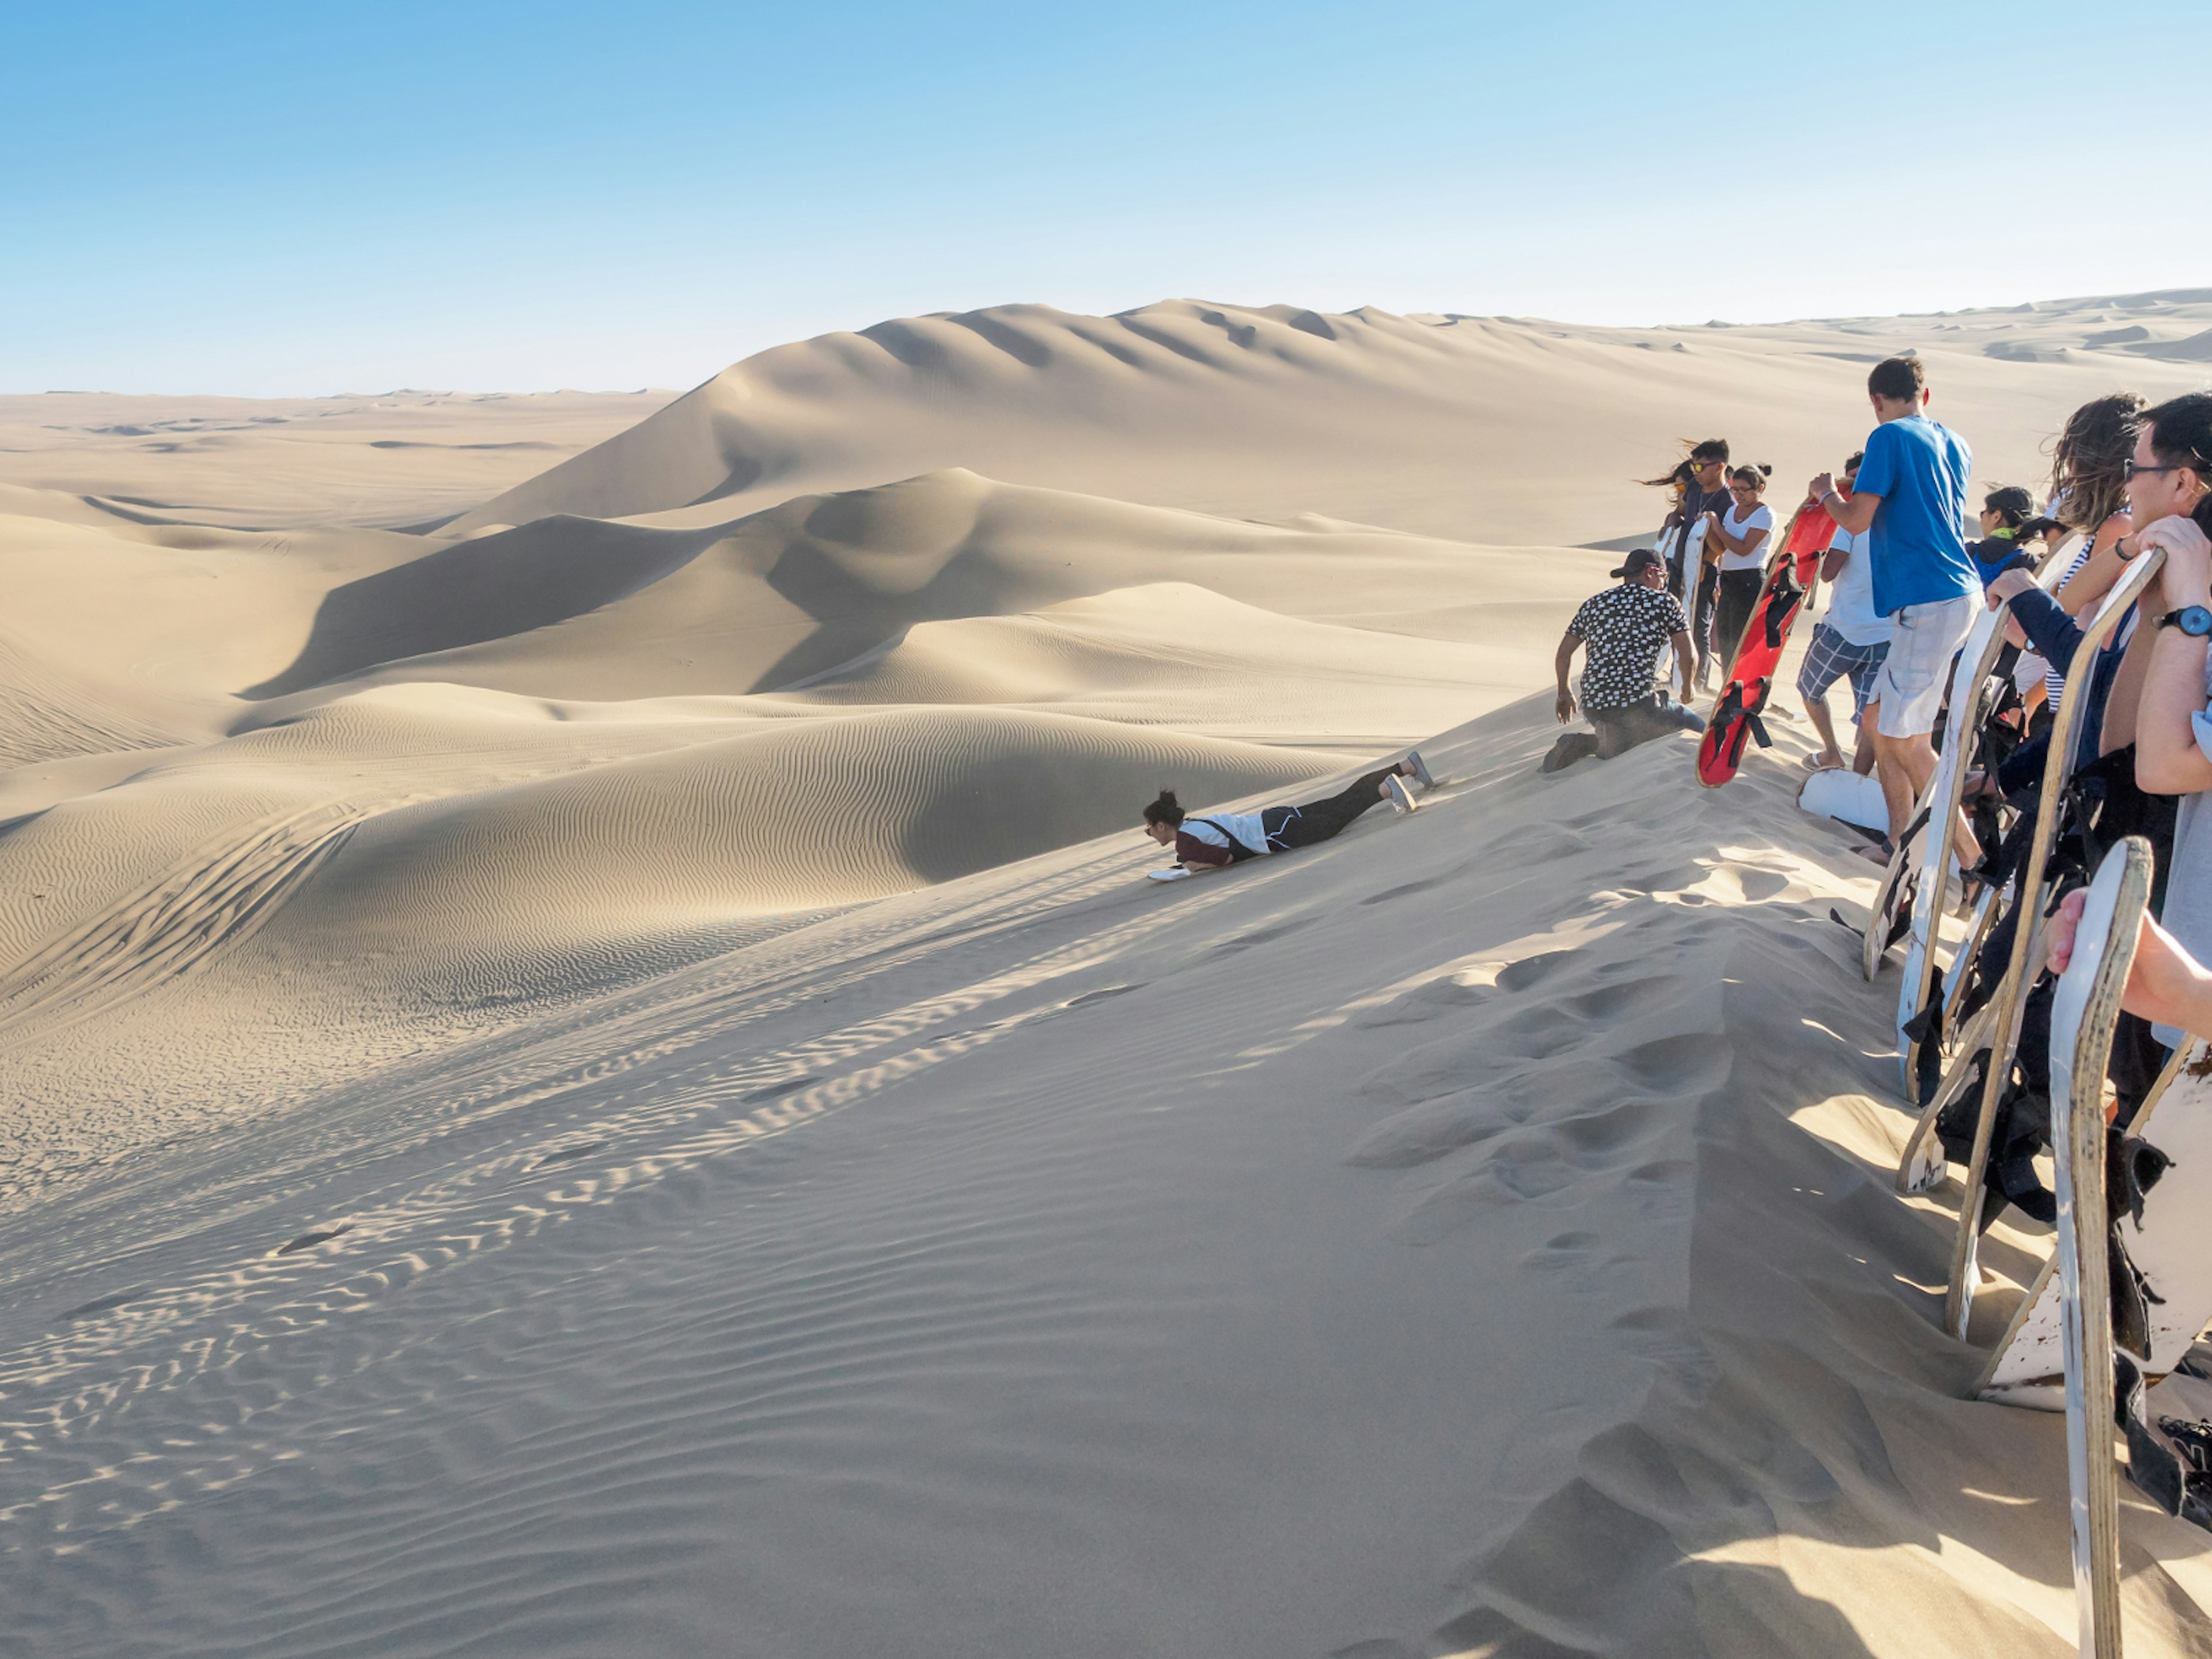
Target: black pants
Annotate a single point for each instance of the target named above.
(1301, 826)
(1738, 598)
(1619, 730)
(1701, 614)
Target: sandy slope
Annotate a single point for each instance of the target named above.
(490, 776)
(610, 1084)
(1466, 1238)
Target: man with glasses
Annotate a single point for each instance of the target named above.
(1911, 496)
(1694, 582)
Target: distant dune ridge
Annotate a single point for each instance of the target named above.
(589, 1066)
(1455, 426)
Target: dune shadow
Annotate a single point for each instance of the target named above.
(490, 588)
(866, 565)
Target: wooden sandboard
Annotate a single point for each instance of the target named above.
(1939, 862)
(2168, 1249)
(1896, 884)
(2033, 891)
(1922, 1167)
(1939, 854)
(2083, 1009)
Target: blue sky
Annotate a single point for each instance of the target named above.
(306, 198)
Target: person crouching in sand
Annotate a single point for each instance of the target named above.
(1623, 629)
(1221, 839)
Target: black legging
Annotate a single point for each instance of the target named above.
(1739, 597)
(1701, 614)
(1301, 826)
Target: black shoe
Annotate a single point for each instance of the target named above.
(1576, 745)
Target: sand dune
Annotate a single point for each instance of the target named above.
(601, 1076)
(1447, 426)
(582, 607)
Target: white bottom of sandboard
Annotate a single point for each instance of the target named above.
(1844, 795)
(2169, 1251)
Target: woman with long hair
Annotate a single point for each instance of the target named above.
(1698, 481)
(1740, 534)
(2089, 496)
(1217, 839)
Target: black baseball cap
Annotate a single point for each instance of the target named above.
(2010, 498)
(1640, 560)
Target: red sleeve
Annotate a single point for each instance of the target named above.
(1189, 849)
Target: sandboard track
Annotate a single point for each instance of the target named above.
(175, 923)
(44, 717)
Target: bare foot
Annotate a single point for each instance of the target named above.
(1874, 853)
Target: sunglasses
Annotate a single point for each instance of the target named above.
(2136, 469)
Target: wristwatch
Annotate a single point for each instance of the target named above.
(2193, 620)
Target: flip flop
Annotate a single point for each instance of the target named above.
(1814, 763)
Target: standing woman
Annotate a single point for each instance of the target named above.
(1674, 528)
(1740, 537)
(1700, 492)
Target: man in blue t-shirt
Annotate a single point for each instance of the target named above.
(1910, 493)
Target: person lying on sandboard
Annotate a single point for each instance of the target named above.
(1220, 839)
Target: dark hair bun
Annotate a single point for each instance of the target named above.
(1765, 470)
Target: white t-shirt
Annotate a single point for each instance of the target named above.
(1245, 826)
(1761, 518)
(1850, 596)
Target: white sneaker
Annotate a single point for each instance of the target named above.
(1420, 771)
(1400, 797)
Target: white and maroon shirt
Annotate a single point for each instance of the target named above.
(1202, 841)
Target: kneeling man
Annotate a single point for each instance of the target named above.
(1623, 630)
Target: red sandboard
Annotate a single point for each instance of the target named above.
(1789, 577)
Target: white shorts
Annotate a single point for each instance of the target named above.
(1923, 638)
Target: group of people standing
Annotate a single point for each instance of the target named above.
(1903, 587)
(1907, 576)
(1700, 583)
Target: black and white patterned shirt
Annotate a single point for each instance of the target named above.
(1623, 631)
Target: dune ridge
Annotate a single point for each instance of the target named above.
(1441, 425)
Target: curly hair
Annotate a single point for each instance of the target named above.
(2088, 464)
